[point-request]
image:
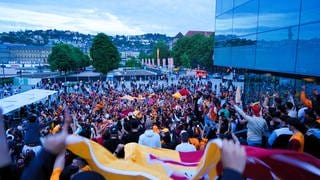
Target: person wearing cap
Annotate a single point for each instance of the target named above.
(256, 124)
(185, 146)
(150, 138)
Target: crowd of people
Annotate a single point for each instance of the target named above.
(8, 90)
(149, 114)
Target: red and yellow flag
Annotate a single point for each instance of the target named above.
(142, 162)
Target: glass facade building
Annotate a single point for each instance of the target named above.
(277, 37)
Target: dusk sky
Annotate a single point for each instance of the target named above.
(122, 17)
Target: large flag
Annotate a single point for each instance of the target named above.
(177, 95)
(182, 92)
(127, 97)
(131, 98)
(280, 164)
(142, 162)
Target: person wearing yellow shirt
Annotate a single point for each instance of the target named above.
(296, 142)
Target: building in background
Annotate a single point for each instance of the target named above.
(277, 41)
(192, 33)
(24, 55)
(4, 54)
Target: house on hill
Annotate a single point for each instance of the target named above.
(205, 33)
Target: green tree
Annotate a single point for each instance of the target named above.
(198, 49)
(163, 50)
(185, 61)
(82, 60)
(133, 63)
(104, 54)
(61, 58)
(143, 55)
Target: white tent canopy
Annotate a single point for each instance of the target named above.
(17, 101)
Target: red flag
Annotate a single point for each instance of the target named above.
(283, 164)
(143, 162)
(184, 92)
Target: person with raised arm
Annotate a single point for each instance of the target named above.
(256, 124)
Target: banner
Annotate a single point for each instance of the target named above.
(164, 62)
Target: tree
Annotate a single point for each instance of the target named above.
(104, 54)
(133, 63)
(82, 60)
(185, 61)
(163, 50)
(65, 57)
(61, 58)
(143, 55)
(194, 51)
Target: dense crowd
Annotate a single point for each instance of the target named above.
(149, 114)
(8, 90)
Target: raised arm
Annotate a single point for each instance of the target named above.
(307, 102)
(243, 114)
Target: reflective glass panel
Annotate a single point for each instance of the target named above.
(275, 14)
(218, 7)
(308, 61)
(276, 50)
(226, 5)
(224, 24)
(222, 56)
(310, 10)
(245, 18)
(239, 2)
(243, 55)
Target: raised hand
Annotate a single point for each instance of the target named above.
(233, 156)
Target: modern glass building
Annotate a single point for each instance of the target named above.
(278, 41)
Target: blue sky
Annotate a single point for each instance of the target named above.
(122, 17)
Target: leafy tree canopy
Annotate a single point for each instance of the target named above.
(82, 60)
(143, 55)
(194, 51)
(104, 54)
(65, 57)
(60, 58)
(163, 50)
(133, 63)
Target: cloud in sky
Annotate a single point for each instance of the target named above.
(109, 16)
